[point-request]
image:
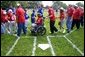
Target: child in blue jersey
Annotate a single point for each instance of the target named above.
(33, 17)
(40, 10)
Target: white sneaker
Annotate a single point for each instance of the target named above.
(15, 35)
(64, 31)
(8, 32)
(18, 36)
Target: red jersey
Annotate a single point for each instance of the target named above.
(39, 21)
(4, 18)
(51, 14)
(20, 15)
(81, 11)
(76, 14)
(70, 11)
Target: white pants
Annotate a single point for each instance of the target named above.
(12, 27)
(5, 27)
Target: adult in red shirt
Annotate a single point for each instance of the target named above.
(52, 20)
(70, 11)
(81, 16)
(20, 20)
(76, 17)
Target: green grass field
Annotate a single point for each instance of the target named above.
(62, 44)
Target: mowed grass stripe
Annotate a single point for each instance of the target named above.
(63, 48)
(23, 47)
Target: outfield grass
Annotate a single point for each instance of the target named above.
(61, 46)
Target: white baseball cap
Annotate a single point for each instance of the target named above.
(10, 10)
(62, 8)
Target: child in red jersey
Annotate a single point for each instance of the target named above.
(62, 17)
(38, 21)
(4, 21)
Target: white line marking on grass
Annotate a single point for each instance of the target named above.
(56, 36)
(25, 37)
(74, 46)
(34, 46)
(50, 36)
(60, 36)
(12, 47)
(52, 51)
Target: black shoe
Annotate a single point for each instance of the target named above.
(68, 31)
(56, 31)
(25, 34)
(71, 28)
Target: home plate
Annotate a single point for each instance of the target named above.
(43, 46)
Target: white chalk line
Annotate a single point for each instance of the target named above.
(27, 37)
(34, 46)
(56, 36)
(74, 46)
(52, 51)
(10, 50)
(33, 51)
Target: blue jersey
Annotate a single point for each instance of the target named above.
(33, 17)
(40, 10)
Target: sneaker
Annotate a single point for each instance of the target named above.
(9, 32)
(56, 31)
(68, 31)
(64, 31)
(50, 33)
(18, 36)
